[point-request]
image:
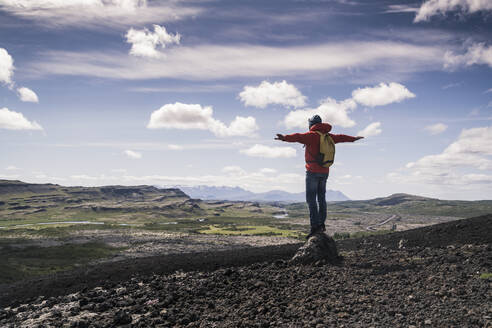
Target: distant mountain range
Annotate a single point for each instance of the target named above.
(240, 194)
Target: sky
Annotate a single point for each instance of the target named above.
(192, 92)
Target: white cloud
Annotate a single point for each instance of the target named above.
(240, 126)
(26, 94)
(372, 129)
(209, 144)
(212, 62)
(477, 53)
(12, 168)
(436, 128)
(278, 93)
(401, 9)
(267, 170)
(451, 85)
(440, 7)
(472, 151)
(188, 87)
(133, 154)
(269, 152)
(181, 116)
(11, 120)
(330, 110)
(83, 177)
(473, 141)
(381, 95)
(346, 180)
(233, 170)
(97, 13)
(476, 179)
(6, 74)
(489, 90)
(337, 112)
(10, 176)
(144, 43)
(194, 116)
(51, 4)
(6, 67)
(174, 147)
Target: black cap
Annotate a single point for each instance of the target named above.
(314, 120)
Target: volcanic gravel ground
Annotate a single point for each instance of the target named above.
(400, 286)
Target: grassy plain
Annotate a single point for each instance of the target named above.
(251, 230)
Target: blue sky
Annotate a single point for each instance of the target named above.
(97, 92)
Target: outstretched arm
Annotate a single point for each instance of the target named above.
(303, 138)
(344, 138)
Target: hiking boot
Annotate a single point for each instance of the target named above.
(314, 230)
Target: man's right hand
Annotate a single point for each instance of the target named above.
(280, 137)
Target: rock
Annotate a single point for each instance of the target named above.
(318, 248)
(122, 318)
(56, 314)
(401, 244)
(83, 301)
(103, 307)
(259, 284)
(79, 324)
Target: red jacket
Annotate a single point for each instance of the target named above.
(311, 140)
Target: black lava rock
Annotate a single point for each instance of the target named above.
(318, 249)
(122, 318)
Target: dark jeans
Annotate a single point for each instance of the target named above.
(316, 188)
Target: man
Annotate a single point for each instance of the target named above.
(316, 175)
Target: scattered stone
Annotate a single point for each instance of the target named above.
(122, 318)
(152, 302)
(401, 243)
(79, 324)
(83, 302)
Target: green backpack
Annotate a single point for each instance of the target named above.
(326, 154)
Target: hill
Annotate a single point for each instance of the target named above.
(20, 201)
(105, 192)
(399, 204)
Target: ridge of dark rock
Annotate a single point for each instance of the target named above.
(16, 186)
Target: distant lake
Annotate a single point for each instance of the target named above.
(281, 216)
